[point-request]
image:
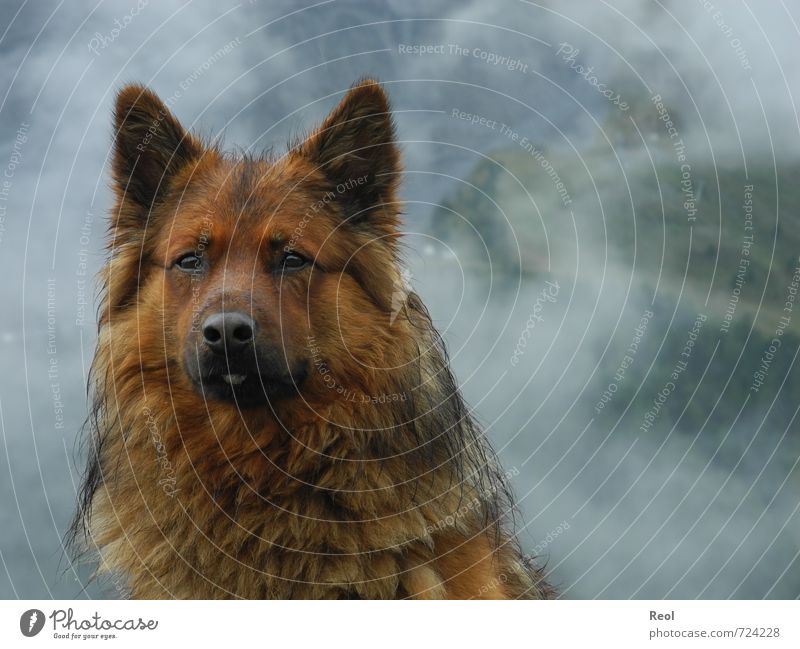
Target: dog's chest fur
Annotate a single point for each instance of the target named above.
(284, 521)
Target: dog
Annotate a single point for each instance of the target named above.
(269, 420)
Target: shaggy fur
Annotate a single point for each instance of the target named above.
(368, 476)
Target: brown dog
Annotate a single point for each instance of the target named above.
(268, 422)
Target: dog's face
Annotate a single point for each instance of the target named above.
(253, 280)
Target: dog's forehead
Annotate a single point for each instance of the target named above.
(261, 196)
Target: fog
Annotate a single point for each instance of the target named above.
(703, 503)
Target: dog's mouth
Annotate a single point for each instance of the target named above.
(248, 388)
(234, 379)
(246, 379)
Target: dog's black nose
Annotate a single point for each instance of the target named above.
(228, 332)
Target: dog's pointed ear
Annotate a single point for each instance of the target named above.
(355, 149)
(150, 146)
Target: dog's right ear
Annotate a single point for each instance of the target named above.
(150, 146)
(355, 147)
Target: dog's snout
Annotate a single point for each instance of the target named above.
(228, 332)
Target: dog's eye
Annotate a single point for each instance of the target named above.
(293, 261)
(189, 263)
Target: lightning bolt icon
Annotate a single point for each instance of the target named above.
(32, 621)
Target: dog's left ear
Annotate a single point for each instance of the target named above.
(150, 146)
(355, 148)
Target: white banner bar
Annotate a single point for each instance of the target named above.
(400, 624)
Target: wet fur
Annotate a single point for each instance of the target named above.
(316, 495)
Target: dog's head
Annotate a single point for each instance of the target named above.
(251, 279)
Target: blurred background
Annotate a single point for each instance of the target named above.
(601, 212)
